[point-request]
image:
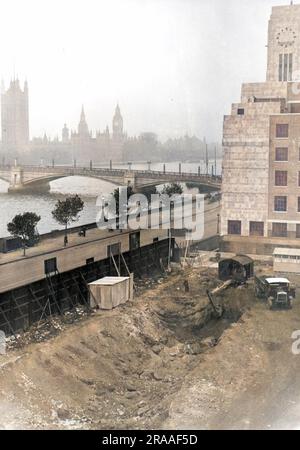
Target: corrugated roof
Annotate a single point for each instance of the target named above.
(286, 251)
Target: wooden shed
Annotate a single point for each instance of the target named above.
(239, 267)
(109, 292)
(286, 260)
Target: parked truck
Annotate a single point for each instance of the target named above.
(278, 292)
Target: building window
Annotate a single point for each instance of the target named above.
(290, 67)
(134, 241)
(50, 266)
(282, 130)
(256, 229)
(298, 204)
(280, 75)
(241, 111)
(280, 178)
(298, 231)
(279, 230)
(281, 154)
(285, 67)
(90, 261)
(113, 249)
(280, 204)
(234, 227)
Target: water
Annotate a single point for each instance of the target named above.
(43, 204)
(187, 167)
(88, 188)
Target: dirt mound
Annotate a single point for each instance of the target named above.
(116, 369)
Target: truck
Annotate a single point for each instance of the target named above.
(278, 292)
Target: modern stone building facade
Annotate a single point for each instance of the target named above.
(261, 148)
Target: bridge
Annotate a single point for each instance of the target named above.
(29, 178)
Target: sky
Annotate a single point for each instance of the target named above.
(174, 66)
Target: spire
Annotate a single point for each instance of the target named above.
(83, 129)
(117, 122)
(65, 133)
(82, 115)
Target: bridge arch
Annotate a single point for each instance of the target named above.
(43, 183)
(4, 179)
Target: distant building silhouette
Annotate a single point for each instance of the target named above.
(14, 116)
(80, 144)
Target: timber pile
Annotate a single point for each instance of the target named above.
(221, 288)
(218, 309)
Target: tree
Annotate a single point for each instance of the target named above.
(67, 211)
(171, 189)
(23, 226)
(148, 191)
(116, 195)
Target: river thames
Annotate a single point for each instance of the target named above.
(88, 188)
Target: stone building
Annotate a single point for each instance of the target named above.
(14, 116)
(80, 144)
(261, 148)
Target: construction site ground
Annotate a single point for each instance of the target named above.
(161, 361)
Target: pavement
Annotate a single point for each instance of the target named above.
(57, 242)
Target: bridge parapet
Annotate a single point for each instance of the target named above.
(26, 177)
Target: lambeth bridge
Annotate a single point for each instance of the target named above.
(29, 178)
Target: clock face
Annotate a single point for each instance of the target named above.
(286, 37)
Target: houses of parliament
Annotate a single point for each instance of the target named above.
(75, 145)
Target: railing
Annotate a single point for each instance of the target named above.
(114, 171)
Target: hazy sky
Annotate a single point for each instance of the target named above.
(174, 66)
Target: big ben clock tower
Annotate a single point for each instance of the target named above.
(117, 124)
